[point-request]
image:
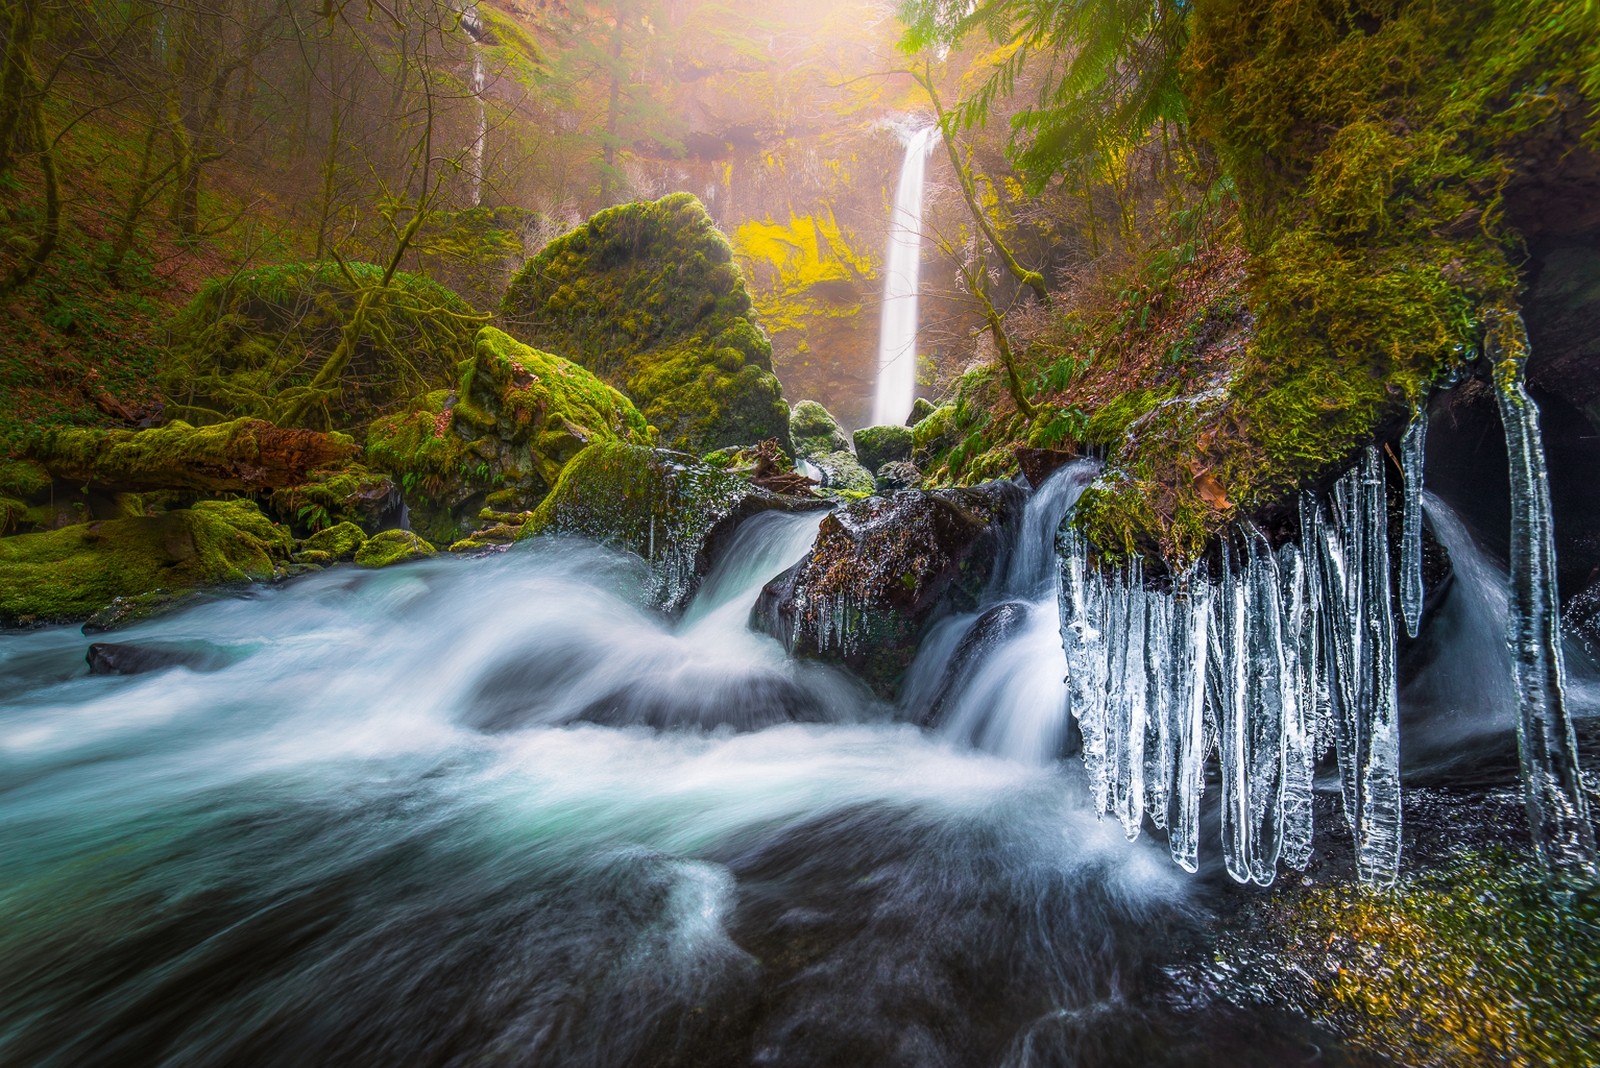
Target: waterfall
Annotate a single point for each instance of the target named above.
(472, 25)
(897, 329)
(1557, 808)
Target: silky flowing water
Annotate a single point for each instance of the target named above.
(496, 811)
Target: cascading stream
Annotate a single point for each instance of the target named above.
(499, 809)
(897, 324)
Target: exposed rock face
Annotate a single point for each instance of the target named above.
(648, 297)
(247, 339)
(664, 507)
(515, 419)
(71, 573)
(882, 571)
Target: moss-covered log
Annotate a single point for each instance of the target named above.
(244, 456)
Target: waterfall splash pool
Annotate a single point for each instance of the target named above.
(495, 811)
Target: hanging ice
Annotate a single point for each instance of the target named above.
(1082, 595)
(1412, 446)
(1558, 811)
(1191, 618)
(1378, 726)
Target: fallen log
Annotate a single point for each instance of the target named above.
(244, 456)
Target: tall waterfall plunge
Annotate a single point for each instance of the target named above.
(897, 330)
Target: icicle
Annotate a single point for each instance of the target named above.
(1191, 618)
(1160, 673)
(1558, 811)
(1265, 700)
(1342, 642)
(1126, 711)
(1085, 646)
(1231, 652)
(1378, 820)
(1412, 446)
(1299, 742)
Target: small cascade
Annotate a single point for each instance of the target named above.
(897, 330)
(1412, 447)
(1558, 811)
(472, 25)
(1157, 679)
(993, 678)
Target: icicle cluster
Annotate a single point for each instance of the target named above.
(1284, 655)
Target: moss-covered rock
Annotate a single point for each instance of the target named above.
(71, 573)
(664, 507)
(339, 542)
(921, 408)
(515, 419)
(648, 297)
(247, 339)
(842, 474)
(878, 445)
(882, 570)
(349, 493)
(392, 547)
(815, 431)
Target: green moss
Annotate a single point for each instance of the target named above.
(878, 445)
(660, 506)
(648, 297)
(392, 547)
(70, 573)
(1372, 146)
(516, 418)
(1484, 962)
(246, 339)
(339, 542)
(814, 430)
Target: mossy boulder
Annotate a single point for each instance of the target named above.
(664, 507)
(248, 339)
(515, 419)
(878, 445)
(882, 571)
(842, 473)
(921, 408)
(339, 542)
(815, 431)
(649, 298)
(72, 573)
(392, 547)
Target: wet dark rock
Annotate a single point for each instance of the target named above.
(138, 658)
(991, 630)
(882, 571)
(1039, 464)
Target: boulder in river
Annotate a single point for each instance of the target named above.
(883, 569)
(648, 297)
(515, 418)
